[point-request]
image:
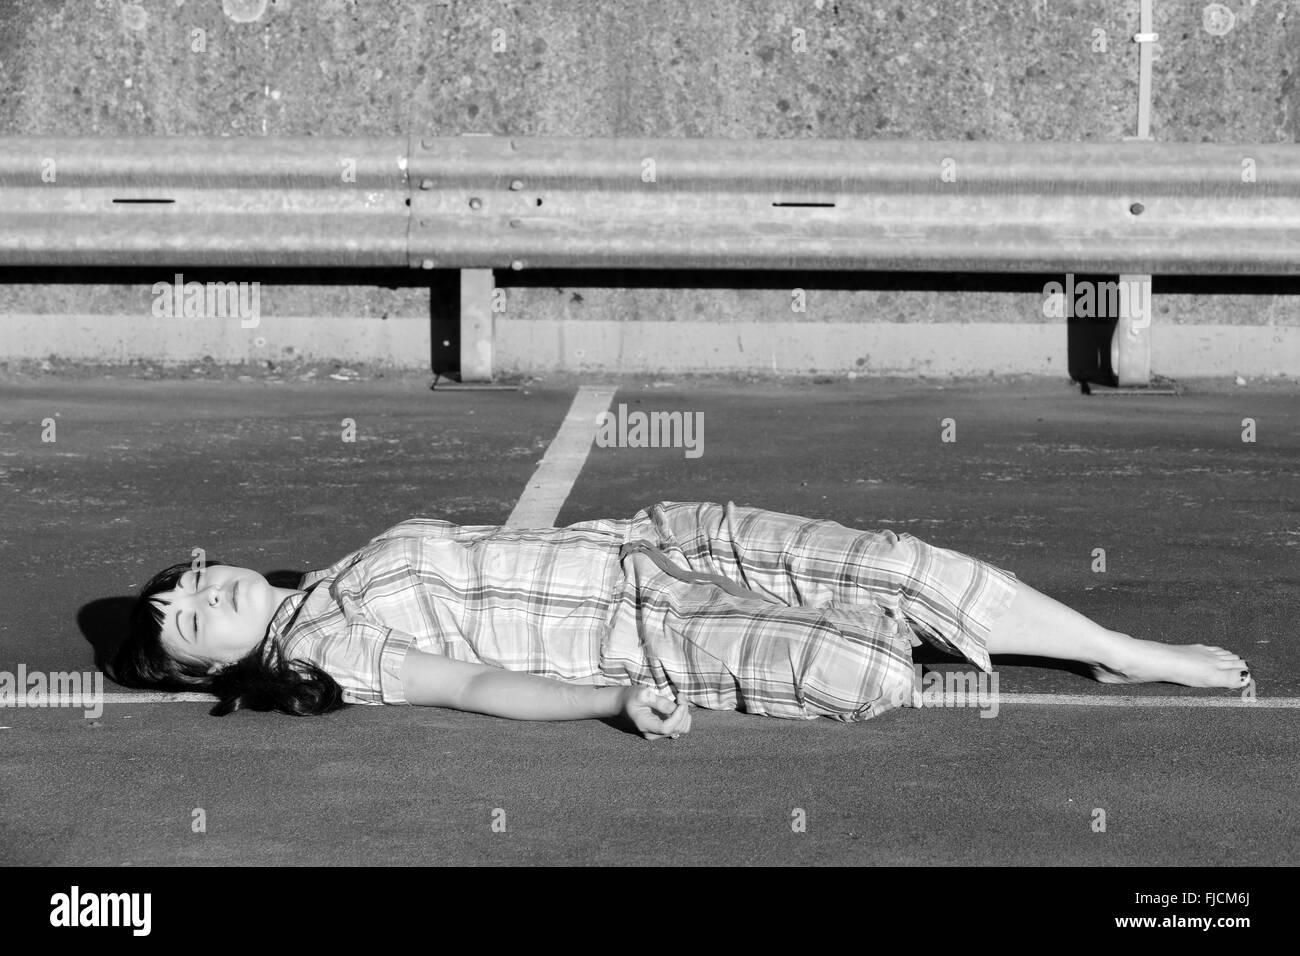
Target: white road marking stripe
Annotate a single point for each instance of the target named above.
(112, 697)
(1048, 700)
(1133, 700)
(549, 487)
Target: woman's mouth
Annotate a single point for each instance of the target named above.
(234, 600)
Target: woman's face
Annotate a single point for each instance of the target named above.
(217, 615)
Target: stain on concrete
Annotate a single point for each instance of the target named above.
(244, 11)
(1218, 19)
(134, 16)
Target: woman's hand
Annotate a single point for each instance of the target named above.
(655, 715)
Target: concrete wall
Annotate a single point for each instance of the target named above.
(1003, 69)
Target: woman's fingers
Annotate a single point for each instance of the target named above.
(663, 717)
(680, 722)
(677, 721)
(650, 719)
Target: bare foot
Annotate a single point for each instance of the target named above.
(1131, 661)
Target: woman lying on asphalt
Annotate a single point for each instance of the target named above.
(727, 608)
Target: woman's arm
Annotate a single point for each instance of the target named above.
(438, 681)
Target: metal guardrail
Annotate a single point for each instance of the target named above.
(181, 201)
(492, 202)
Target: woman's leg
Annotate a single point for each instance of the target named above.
(727, 651)
(959, 603)
(948, 599)
(1037, 625)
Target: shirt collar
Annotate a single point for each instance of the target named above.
(285, 614)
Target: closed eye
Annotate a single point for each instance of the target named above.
(195, 629)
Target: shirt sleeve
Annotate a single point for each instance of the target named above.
(436, 529)
(366, 660)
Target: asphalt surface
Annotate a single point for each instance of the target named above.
(1202, 538)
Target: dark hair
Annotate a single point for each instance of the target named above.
(261, 680)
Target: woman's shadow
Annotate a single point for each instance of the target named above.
(103, 623)
(929, 655)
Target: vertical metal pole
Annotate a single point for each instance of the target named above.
(1144, 38)
(1130, 348)
(476, 323)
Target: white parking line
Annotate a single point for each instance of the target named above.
(549, 487)
(1013, 700)
(1134, 700)
(112, 697)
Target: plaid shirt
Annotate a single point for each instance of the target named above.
(728, 608)
(539, 601)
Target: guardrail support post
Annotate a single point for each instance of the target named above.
(476, 323)
(1130, 348)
